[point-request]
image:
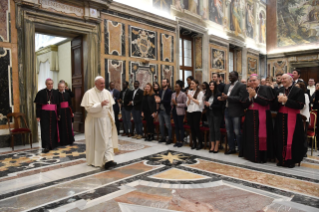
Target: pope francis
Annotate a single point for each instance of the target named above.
(100, 130)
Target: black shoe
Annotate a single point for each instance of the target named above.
(279, 164)
(180, 144)
(162, 140)
(110, 164)
(291, 165)
(176, 144)
(45, 150)
(230, 152)
(151, 137)
(211, 151)
(199, 146)
(169, 142)
(147, 137)
(240, 155)
(194, 145)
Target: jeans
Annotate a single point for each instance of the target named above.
(126, 117)
(193, 120)
(165, 119)
(214, 126)
(233, 128)
(137, 121)
(179, 126)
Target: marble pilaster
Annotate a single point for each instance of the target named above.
(244, 62)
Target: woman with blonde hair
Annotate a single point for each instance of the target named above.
(149, 110)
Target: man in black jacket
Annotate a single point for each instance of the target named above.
(137, 99)
(116, 95)
(126, 106)
(234, 94)
(165, 111)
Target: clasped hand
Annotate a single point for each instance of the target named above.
(251, 92)
(223, 97)
(105, 102)
(282, 98)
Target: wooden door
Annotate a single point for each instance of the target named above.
(77, 83)
(311, 72)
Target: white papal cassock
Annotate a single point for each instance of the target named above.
(100, 131)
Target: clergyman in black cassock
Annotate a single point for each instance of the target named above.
(258, 138)
(47, 112)
(65, 122)
(289, 129)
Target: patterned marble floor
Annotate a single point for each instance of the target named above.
(154, 177)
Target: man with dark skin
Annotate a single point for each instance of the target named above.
(126, 106)
(136, 102)
(234, 94)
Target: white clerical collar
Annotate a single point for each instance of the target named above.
(62, 91)
(49, 89)
(97, 89)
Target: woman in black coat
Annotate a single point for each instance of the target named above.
(214, 115)
(149, 111)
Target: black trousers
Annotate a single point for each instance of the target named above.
(117, 122)
(193, 120)
(149, 122)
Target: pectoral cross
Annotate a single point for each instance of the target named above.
(49, 102)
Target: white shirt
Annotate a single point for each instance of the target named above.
(192, 106)
(312, 89)
(305, 110)
(229, 91)
(134, 95)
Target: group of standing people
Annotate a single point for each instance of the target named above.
(245, 110)
(54, 112)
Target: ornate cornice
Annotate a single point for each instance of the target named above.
(51, 48)
(191, 26)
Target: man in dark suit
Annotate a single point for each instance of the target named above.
(234, 94)
(296, 77)
(116, 95)
(164, 116)
(137, 100)
(126, 107)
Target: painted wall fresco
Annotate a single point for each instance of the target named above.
(297, 22)
(216, 11)
(219, 59)
(4, 20)
(115, 72)
(114, 37)
(262, 27)
(143, 43)
(236, 17)
(163, 4)
(250, 20)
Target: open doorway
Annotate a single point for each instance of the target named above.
(60, 58)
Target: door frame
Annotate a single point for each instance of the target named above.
(30, 20)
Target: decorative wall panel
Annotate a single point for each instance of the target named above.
(143, 43)
(6, 98)
(168, 73)
(167, 48)
(115, 72)
(5, 21)
(199, 76)
(218, 59)
(114, 38)
(143, 73)
(198, 52)
(252, 64)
